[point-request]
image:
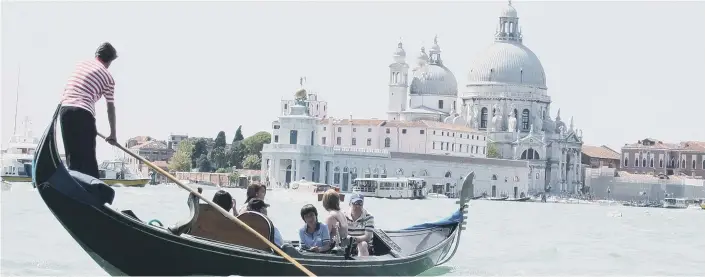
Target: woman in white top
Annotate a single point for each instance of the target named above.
(335, 220)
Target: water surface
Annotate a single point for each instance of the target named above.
(502, 238)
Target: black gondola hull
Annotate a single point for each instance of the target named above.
(124, 246)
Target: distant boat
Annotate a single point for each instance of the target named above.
(521, 199)
(675, 203)
(391, 188)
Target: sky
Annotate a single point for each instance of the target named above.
(624, 70)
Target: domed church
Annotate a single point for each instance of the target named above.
(505, 96)
(498, 125)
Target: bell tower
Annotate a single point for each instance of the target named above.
(398, 83)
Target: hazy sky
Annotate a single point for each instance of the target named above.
(624, 70)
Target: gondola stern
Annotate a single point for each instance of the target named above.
(49, 170)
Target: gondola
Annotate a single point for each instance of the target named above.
(122, 244)
(521, 199)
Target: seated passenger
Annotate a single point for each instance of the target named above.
(360, 226)
(258, 205)
(224, 200)
(335, 220)
(254, 191)
(314, 236)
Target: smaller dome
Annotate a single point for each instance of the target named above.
(433, 79)
(509, 11)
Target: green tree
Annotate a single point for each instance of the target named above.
(253, 144)
(200, 148)
(181, 160)
(238, 135)
(219, 157)
(492, 150)
(220, 140)
(204, 165)
(252, 162)
(236, 154)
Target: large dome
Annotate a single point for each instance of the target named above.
(507, 62)
(433, 79)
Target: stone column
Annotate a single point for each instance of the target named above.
(560, 168)
(329, 172)
(302, 170)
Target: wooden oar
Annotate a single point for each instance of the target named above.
(221, 210)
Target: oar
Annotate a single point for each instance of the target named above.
(221, 210)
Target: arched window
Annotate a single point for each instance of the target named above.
(660, 163)
(336, 175)
(353, 174)
(626, 162)
(483, 118)
(525, 120)
(643, 162)
(693, 164)
(530, 154)
(673, 162)
(651, 162)
(683, 163)
(494, 177)
(448, 174)
(387, 142)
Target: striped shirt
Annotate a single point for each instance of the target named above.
(358, 227)
(88, 83)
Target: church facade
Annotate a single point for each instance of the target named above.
(437, 131)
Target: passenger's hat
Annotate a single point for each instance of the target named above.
(357, 199)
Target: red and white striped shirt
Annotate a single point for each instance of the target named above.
(90, 81)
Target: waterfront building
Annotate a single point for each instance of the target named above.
(150, 149)
(652, 156)
(600, 156)
(437, 131)
(652, 169)
(134, 141)
(174, 140)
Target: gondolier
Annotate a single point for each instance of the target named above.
(90, 81)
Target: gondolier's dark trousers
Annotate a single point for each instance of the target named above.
(79, 133)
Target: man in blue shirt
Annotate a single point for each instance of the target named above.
(258, 205)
